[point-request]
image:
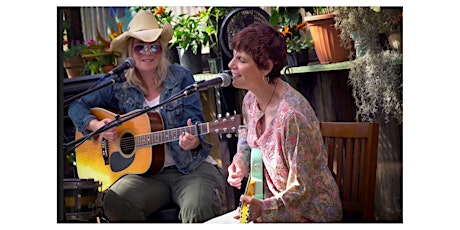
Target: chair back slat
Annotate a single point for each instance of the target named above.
(339, 166)
(352, 158)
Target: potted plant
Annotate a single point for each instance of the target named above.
(376, 74)
(189, 35)
(211, 17)
(98, 60)
(326, 40)
(90, 58)
(376, 81)
(73, 62)
(293, 28)
(366, 26)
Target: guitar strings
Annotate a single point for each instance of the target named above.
(130, 142)
(144, 140)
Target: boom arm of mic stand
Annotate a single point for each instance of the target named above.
(121, 78)
(126, 117)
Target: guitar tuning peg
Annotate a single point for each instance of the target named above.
(234, 112)
(219, 116)
(227, 114)
(229, 135)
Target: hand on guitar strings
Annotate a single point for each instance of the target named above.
(236, 172)
(188, 141)
(110, 134)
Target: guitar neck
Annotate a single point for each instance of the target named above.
(169, 135)
(254, 187)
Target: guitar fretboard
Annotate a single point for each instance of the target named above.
(169, 135)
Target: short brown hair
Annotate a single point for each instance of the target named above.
(262, 42)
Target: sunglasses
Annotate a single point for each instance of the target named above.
(142, 49)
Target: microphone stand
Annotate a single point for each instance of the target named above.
(121, 78)
(119, 119)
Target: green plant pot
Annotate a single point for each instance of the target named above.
(190, 60)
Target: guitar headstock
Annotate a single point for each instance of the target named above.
(227, 124)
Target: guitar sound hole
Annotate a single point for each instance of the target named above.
(127, 143)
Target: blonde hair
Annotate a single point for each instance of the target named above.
(133, 76)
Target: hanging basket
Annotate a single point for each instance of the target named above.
(73, 67)
(326, 39)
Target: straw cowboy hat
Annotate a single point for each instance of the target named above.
(144, 27)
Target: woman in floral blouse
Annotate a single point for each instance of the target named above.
(278, 120)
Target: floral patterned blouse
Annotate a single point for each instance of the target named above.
(297, 184)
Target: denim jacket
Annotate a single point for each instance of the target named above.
(174, 114)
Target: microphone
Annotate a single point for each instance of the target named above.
(128, 64)
(223, 80)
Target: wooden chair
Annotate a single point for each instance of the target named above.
(352, 157)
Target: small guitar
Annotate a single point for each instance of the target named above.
(254, 187)
(107, 161)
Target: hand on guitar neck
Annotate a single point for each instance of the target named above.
(250, 207)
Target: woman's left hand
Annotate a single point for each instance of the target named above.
(188, 141)
(255, 207)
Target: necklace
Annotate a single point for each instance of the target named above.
(271, 97)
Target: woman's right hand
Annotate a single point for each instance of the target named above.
(110, 134)
(236, 172)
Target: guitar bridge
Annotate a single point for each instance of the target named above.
(105, 150)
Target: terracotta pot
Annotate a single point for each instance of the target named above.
(326, 39)
(73, 67)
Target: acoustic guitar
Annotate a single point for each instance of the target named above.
(139, 147)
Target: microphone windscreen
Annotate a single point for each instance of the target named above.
(131, 62)
(226, 78)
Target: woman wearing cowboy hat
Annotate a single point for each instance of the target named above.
(190, 177)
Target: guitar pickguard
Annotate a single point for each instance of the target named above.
(118, 163)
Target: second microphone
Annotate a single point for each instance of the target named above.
(223, 80)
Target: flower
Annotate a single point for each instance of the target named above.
(162, 14)
(97, 56)
(159, 11)
(290, 23)
(296, 37)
